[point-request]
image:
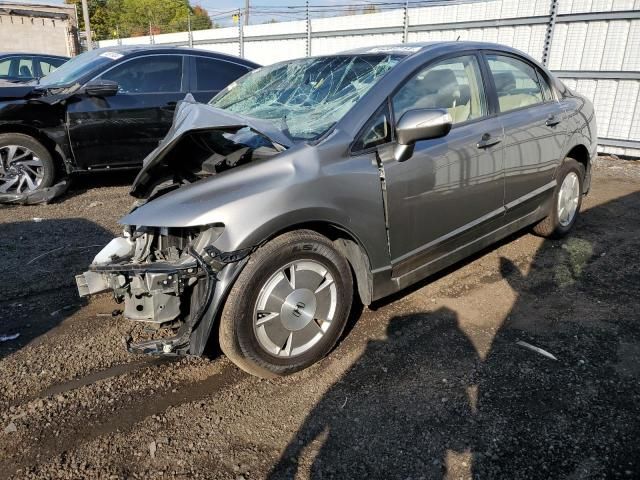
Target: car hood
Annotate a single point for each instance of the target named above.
(32, 91)
(191, 116)
(12, 91)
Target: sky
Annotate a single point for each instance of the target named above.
(220, 9)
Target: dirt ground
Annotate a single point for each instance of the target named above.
(428, 384)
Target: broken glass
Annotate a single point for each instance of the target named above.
(305, 97)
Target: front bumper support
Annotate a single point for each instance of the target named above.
(153, 293)
(156, 293)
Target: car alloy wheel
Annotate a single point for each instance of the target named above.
(21, 170)
(289, 305)
(295, 308)
(568, 199)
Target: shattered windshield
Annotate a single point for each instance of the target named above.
(305, 97)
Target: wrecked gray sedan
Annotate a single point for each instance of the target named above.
(261, 215)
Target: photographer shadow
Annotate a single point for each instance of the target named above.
(427, 403)
(413, 379)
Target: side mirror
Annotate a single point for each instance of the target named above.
(101, 88)
(420, 124)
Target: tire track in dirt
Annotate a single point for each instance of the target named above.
(91, 378)
(129, 410)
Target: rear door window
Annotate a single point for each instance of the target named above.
(546, 89)
(214, 75)
(517, 83)
(48, 65)
(25, 68)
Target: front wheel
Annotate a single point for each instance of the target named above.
(288, 307)
(567, 199)
(25, 164)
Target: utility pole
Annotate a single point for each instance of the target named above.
(240, 34)
(308, 31)
(246, 12)
(405, 28)
(551, 25)
(87, 25)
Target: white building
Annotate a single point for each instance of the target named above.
(38, 28)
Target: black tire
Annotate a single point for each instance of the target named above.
(550, 226)
(237, 336)
(48, 167)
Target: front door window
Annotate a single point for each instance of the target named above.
(453, 84)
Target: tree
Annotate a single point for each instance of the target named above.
(124, 18)
(200, 19)
(100, 17)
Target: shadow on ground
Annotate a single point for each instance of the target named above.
(81, 183)
(39, 262)
(424, 403)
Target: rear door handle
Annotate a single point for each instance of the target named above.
(487, 141)
(553, 120)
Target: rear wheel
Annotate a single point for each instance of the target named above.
(288, 307)
(567, 200)
(25, 164)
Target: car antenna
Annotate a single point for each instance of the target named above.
(458, 39)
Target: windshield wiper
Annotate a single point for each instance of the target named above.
(285, 127)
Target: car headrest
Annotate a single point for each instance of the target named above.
(465, 94)
(436, 80)
(24, 71)
(504, 81)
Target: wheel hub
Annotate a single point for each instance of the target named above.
(568, 199)
(20, 169)
(295, 308)
(298, 309)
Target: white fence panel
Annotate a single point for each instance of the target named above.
(329, 45)
(171, 38)
(272, 51)
(231, 48)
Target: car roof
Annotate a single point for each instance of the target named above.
(408, 49)
(141, 49)
(31, 54)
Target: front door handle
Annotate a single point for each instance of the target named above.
(552, 121)
(487, 141)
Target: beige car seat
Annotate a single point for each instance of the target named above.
(446, 92)
(507, 97)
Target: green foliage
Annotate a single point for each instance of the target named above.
(130, 18)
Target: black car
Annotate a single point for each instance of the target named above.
(104, 109)
(24, 67)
